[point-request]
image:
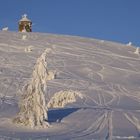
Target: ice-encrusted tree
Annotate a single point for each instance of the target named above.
(137, 51)
(33, 109)
(64, 97)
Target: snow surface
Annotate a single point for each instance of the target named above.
(106, 74)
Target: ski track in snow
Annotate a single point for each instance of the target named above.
(106, 73)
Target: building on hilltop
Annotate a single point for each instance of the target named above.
(25, 24)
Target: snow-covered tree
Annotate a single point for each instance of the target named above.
(137, 51)
(24, 37)
(33, 109)
(129, 44)
(62, 98)
(29, 48)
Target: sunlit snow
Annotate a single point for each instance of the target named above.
(105, 75)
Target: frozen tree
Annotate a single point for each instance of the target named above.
(33, 109)
(29, 48)
(137, 51)
(24, 37)
(62, 98)
(129, 44)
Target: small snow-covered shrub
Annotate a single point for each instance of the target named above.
(137, 51)
(24, 37)
(129, 44)
(62, 98)
(5, 29)
(29, 49)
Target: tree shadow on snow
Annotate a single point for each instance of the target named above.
(56, 115)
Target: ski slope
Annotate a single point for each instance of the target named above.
(107, 74)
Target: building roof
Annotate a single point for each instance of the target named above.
(24, 18)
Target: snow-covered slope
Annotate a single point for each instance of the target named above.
(106, 74)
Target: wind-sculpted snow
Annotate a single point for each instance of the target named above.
(107, 74)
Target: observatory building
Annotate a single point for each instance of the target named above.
(25, 24)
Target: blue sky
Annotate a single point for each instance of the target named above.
(115, 20)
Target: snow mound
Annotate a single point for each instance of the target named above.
(24, 37)
(5, 29)
(29, 48)
(62, 98)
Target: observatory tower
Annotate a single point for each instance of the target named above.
(25, 24)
